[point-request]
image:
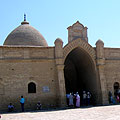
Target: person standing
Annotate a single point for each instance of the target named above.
(22, 101)
(118, 99)
(88, 98)
(109, 96)
(77, 100)
(84, 97)
(118, 93)
(67, 97)
(71, 100)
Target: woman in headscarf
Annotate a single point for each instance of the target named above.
(71, 100)
(77, 100)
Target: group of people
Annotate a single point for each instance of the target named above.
(11, 106)
(116, 98)
(22, 101)
(86, 98)
(73, 100)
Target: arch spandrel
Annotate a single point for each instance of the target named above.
(79, 43)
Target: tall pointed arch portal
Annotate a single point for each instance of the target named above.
(80, 70)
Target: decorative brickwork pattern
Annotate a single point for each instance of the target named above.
(82, 44)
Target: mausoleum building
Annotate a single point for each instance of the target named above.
(29, 67)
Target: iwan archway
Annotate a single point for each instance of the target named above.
(80, 70)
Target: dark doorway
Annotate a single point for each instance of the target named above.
(80, 74)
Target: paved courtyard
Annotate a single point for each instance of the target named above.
(92, 113)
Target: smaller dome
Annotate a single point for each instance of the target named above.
(25, 35)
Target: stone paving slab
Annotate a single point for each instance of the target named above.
(92, 113)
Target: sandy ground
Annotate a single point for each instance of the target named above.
(91, 113)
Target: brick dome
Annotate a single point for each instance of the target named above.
(25, 35)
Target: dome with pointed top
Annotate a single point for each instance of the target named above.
(25, 35)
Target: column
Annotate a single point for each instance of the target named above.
(60, 72)
(61, 82)
(100, 66)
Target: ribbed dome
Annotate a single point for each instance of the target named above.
(25, 35)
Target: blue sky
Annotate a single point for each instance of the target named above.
(52, 17)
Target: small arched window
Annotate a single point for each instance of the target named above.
(31, 87)
(116, 88)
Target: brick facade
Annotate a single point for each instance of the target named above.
(44, 66)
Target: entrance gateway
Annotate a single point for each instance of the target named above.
(80, 71)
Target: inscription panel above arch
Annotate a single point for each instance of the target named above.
(82, 44)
